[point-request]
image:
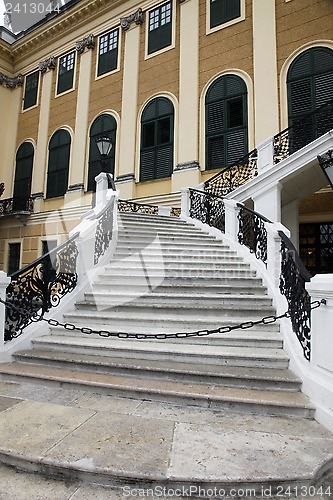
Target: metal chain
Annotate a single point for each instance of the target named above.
(158, 336)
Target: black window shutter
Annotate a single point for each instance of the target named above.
(58, 164)
(147, 165)
(31, 90)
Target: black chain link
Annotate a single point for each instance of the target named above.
(266, 320)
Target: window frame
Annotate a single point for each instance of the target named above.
(157, 147)
(172, 44)
(7, 256)
(221, 26)
(24, 109)
(117, 68)
(225, 130)
(47, 197)
(57, 93)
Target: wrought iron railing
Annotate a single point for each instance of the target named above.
(292, 285)
(303, 131)
(237, 174)
(141, 208)
(208, 208)
(252, 232)
(11, 206)
(40, 286)
(104, 231)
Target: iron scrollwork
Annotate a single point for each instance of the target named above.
(252, 232)
(38, 287)
(303, 131)
(131, 206)
(207, 208)
(292, 285)
(103, 234)
(10, 206)
(234, 175)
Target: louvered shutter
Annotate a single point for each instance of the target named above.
(58, 164)
(147, 165)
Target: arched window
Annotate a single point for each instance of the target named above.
(58, 167)
(226, 121)
(156, 158)
(310, 85)
(104, 124)
(23, 175)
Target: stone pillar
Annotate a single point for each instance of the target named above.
(265, 155)
(267, 202)
(290, 219)
(128, 127)
(40, 164)
(77, 170)
(11, 102)
(187, 170)
(265, 70)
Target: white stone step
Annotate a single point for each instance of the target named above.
(228, 376)
(167, 351)
(207, 299)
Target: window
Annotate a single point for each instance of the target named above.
(156, 158)
(14, 254)
(316, 247)
(310, 85)
(160, 28)
(104, 124)
(108, 52)
(48, 246)
(23, 176)
(31, 90)
(223, 11)
(66, 72)
(226, 121)
(58, 165)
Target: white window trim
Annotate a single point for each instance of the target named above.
(173, 30)
(6, 251)
(74, 76)
(210, 30)
(119, 52)
(38, 91)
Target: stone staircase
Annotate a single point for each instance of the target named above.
(169, 277)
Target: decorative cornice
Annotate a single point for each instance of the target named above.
(11, 82)
(187, 165)
(75, 187)
(137, 17)
(87, 43)
(125, 178)
(49, 63)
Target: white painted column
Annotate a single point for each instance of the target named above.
(187, 171)
(290, 219)
(11, 102)
(4, 282)
(128, 126)
(77, 169)
(265, 70)
(40, 164)
(267, 202)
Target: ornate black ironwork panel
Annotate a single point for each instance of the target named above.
(175, 212)
(292, 285)
(302, 132)
(207, 208)
(10, 206)
(252, 232)
(38, 287)
(233, 176)
(131, 206)
(103, 234)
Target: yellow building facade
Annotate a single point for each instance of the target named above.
(182, 88)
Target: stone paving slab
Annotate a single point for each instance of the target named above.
(142, 439)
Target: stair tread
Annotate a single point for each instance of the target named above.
(159, 347)
(154, 365)
(205, 391)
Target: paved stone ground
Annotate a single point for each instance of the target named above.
(153, 439)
